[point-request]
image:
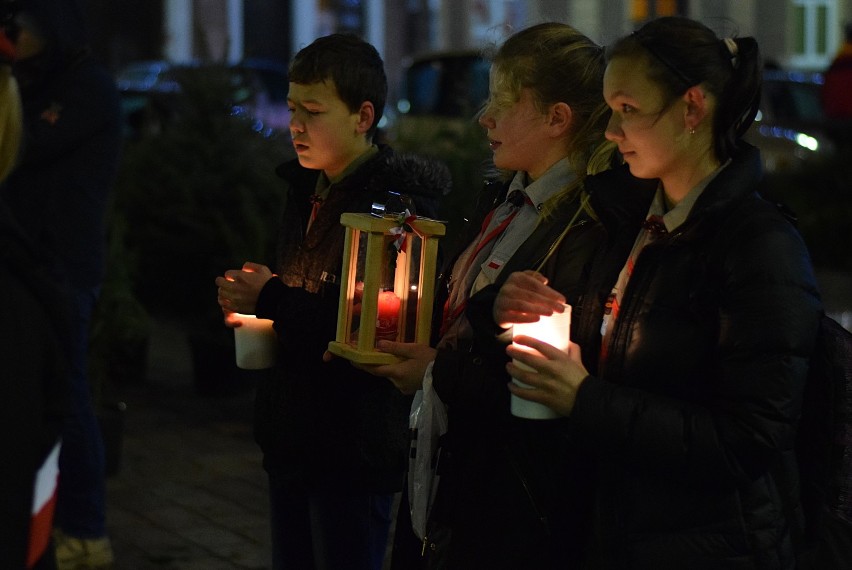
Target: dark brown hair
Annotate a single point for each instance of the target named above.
(682, 53)
(352, 64)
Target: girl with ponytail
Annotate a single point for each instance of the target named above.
(697, 325)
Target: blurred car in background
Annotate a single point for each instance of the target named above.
(150, 94)
(790, 127)
(442, 92)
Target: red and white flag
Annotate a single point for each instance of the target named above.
(44, 505)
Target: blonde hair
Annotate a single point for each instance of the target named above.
(559, 64)
(11, 121)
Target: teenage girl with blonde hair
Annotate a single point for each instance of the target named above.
(510, 493)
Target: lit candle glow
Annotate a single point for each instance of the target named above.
(554, 330)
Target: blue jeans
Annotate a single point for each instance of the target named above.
(327, 530)
(81, 497)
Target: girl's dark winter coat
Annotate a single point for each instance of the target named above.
(692, 418)
(514, 493)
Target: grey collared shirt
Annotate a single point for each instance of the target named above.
(469, 276)
(556, 179)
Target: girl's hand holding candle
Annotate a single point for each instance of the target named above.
(552, 375)
(524, 297)
(555, 331)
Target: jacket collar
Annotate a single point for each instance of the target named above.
(621, 200)
(300, 177)
(733, 183)
(618, 198)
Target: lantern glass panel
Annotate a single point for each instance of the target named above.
(391, 297)
(360, 246)
(394, 296)
(409, 267)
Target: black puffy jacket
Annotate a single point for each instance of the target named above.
(693, 417)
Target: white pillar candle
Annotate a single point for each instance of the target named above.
(554, 330)
(256, 342)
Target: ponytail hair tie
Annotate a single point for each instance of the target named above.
(732, 49)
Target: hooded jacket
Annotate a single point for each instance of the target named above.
(330, 425)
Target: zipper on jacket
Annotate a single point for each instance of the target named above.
(541, 516)
(425, 546)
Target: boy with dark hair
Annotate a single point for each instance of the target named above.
(331, 57)
(334, 438)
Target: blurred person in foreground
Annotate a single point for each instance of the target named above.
(33, 337)
(334, 440)
(512, 492)
(59, 192)
(710, 313)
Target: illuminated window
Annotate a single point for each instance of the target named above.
(667, 8)
(813, 31)
(643, 10)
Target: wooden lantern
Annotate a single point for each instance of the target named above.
(388, 280)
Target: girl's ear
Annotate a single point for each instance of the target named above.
(366, 116)
(559, 118)
(697, 107)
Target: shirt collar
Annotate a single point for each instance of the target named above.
(553, 181)
(675, 217)
(324, 182)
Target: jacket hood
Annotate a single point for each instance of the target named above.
(413, 174)
(740, 177)
(406, 173)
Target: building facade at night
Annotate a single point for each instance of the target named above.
(796, 34)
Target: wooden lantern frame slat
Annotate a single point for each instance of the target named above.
(376, 257)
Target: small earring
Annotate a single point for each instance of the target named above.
(692, 131)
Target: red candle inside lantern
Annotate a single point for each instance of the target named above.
(387, 317)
